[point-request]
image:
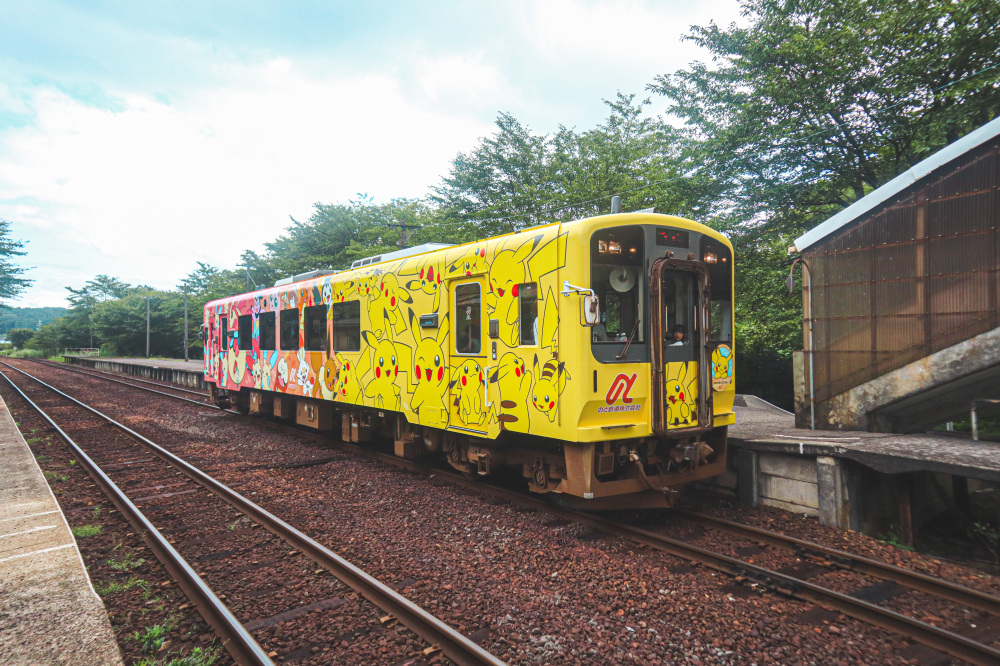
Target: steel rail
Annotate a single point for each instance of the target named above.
(922, 632)
(235, 638)
(843, 560)
(453, 644)
(943, 640)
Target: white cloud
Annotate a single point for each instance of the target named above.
(621, 32)
(145, 190)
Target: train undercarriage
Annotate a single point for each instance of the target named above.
(618, 474)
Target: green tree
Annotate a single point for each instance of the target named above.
(811, 106)
(514, 179)
(11, 282)
(816, 103)
(18, 336)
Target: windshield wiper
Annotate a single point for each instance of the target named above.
(628, 344)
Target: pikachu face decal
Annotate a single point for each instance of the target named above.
(347, 387)
(507, 272)
(468, 390)
(431, 374)
(385, 362)
(513, 381)
(682, 395)
(549, 384)
(385, 304)
(427, 280)
(722, 367)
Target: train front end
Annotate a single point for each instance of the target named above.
(653, 350)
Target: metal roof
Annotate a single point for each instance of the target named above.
(897, 185)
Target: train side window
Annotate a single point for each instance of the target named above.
(468, 325)
(244, 331)
(721, 321)
(267, 333)
(290, 329)
(347, 326)
(314, 323)
(527, 296)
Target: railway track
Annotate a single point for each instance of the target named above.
(197, 511)
(963, 647)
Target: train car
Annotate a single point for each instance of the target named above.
(595, 355)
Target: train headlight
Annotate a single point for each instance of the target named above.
(711, 258)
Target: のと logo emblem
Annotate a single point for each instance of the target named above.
(620, 388)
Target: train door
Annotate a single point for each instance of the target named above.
(468, 359)
(679, 298)
(223, 348)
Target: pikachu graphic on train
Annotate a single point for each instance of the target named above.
(469, 392)
(428, 280)
(430, 374)
(383, 361)
(384, 305)
(507, 274)
(346, 386)
(681, 392)
(513, 382)
(549, 385)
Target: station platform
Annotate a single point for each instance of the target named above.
(855, 479)
(49, 612)
(178, 371)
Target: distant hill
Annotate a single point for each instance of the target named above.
(27, 317)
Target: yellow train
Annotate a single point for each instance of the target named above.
(597, 354)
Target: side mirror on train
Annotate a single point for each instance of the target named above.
(591, 310)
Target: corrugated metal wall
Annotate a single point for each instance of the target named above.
(910, 278)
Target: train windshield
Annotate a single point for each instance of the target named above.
(616, 275)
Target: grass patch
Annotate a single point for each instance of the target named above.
(110, 587)
(84, 531)
(42, 458)
(127, 559)
(54, 477)
(198, 657)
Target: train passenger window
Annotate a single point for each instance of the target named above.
(244, 332)
(468, 328)
(267, 333)
(347, 326)
(527, 296)
(314, 323)
(290, 329)
(721, 316)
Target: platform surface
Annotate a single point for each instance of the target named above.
(49, 612)
(763, 427)
(197, 366)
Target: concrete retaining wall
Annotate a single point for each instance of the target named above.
(154, 372)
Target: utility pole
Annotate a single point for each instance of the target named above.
(185, 326)
(402, 231)
(147, 326)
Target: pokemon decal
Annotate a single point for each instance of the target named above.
(550, 382)
(468, 261)
(682, 394)
(384, 306)
(514, 383)
(468, 389)
(722, 368)
(393, 363)
(431, 374)
(507, 272)
(382, 368)
(347, 386)
(427, 280)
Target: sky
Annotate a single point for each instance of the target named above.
(137, 138)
